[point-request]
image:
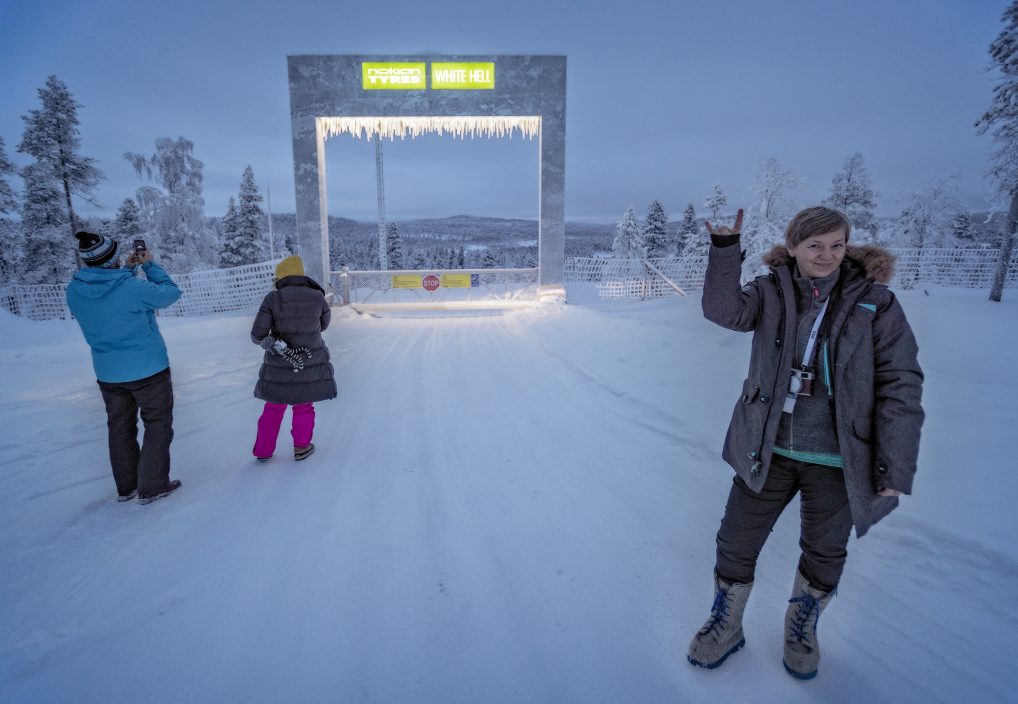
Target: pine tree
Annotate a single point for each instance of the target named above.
(689, 230)
(394, 246)
(461, 258)
(48, 253)
(419, 260)
(250, 217)
(715, 202)
(51, 136)
(8, 203)
(655, 231)
(963, 230)
(126, 224)
(238, 248)
(175, 215)
(1001, 121)
(628, 243)
(489, 261)
(10, 243)
(852, 195)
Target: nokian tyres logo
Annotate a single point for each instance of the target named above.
(400, 75)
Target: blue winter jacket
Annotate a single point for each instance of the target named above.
(116, 313)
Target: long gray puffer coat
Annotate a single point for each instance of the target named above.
(297, 313)
(877, 382)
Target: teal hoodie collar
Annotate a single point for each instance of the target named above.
(99, 281)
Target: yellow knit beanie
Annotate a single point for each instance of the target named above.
(291, 266)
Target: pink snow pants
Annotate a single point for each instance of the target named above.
(272, 418)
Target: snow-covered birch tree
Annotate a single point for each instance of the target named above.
(1001, 121)
(852, 194)
(773, 190)
(53, 139)
(177, 212)
(715, 202)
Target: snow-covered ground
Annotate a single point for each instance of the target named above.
(517, 507)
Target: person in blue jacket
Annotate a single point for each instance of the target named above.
(116, 312)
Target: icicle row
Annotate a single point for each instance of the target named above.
(462, 127)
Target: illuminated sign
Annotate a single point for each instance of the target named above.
(463, 76)
(401, 75)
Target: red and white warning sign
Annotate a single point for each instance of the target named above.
(430, 282)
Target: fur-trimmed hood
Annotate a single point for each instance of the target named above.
(876, 262)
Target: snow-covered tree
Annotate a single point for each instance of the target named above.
(419, 261)
(250, 217)
(926, 219)
(489, 261)
(52, 138)
(758, 236)
(688, 231)
(852, 194)
(655, 231)
(715, 202)
(8, 203)
(48, 252)
(394, 246)
(1001, 121)
(628, 242)
(10, 242)
(773, 190)
(461, 258)
(773, 208)
(962, 229)
(126, 224)
(238, 248)
(174, 216)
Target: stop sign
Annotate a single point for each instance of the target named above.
(430, 282)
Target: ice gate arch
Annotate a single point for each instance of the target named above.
(327, 91)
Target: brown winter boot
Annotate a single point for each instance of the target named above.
(802, 649)
(721, 635)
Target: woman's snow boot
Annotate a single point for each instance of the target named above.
(802, 649)
(721, 635)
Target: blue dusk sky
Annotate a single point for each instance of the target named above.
(664, 98)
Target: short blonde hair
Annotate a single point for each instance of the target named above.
(815, 221)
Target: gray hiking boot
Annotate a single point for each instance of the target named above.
(802, 649)
(721, 635)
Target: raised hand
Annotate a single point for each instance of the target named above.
(736, 229)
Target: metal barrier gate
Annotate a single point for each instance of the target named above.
(436, 288)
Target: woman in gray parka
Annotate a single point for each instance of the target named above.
(296, 369)
(830, 409)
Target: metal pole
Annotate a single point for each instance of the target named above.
(268, 203)
(383, 254)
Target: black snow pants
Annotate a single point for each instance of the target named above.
(826, 522)
(146, 469)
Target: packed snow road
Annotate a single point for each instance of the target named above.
(504, 508)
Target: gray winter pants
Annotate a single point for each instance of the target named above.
(147, 469)
(825, 516)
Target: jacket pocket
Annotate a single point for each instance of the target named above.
(863, 429)
(750, 391)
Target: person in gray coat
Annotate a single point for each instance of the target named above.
(296, 369)
(830, 409)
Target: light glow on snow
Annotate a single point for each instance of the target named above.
(461, 126)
